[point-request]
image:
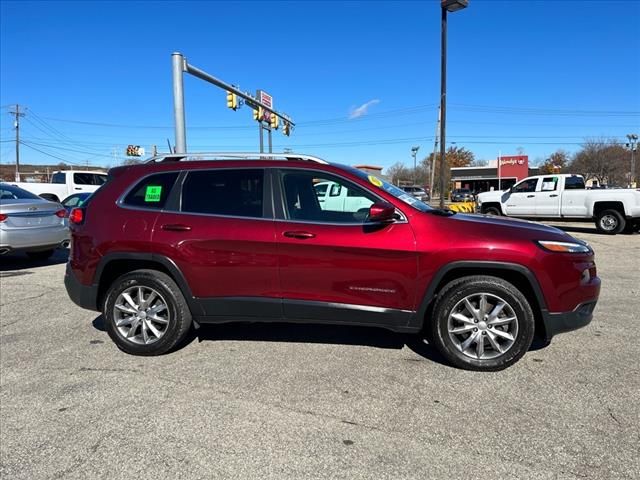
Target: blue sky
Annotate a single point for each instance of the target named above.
(540, 75)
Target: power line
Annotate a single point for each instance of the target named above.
(50, 155)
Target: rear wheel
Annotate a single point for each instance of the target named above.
(610, 222)
(146, 313)
(482, 323)
(42, 255)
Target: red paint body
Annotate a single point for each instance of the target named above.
(389, 266)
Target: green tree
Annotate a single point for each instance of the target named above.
(556, 162)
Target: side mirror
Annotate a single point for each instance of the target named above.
(382, 212)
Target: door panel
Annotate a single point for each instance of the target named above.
(350, 264)
(521, 201)
(548, 198)
(220, 243)
(334, 264)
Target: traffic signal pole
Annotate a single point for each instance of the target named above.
(180, 66)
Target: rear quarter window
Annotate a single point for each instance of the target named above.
(152, 191)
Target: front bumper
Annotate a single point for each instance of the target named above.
(555, 323)
(85, 296)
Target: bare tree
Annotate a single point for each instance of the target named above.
(601, 160)
(398, 172)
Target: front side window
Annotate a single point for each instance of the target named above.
(152, 191)
(237, 193)
(526, 186)
(346, 202)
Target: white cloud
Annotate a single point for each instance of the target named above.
(362, 109)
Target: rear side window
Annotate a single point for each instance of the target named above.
(574, 183)
(58, 178)
(88, 179)
(236, 193)
(152, 191)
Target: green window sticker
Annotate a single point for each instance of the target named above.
(152, 193)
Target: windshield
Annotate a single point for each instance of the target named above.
(390, 189)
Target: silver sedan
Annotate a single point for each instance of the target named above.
(30, 224)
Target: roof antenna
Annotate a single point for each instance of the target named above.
(171, 150)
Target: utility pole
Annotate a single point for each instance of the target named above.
(16, 124)
(632, 145)
(433, 159)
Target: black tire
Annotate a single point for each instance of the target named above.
(493, 211)
(41, 255)
(610, 222)
(179, 316)
(449, 299)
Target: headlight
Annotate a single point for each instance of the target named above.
(563, 247)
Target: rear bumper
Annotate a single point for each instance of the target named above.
(555, 323)
(85, 296)
(26, 239)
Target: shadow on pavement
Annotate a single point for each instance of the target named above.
(20, 261)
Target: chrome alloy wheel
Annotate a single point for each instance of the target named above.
(482, 326)
(141, 315)
(608, 223)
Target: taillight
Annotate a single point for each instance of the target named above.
(61, 213)
(77, 216)
(3, 217)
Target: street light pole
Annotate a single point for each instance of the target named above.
(414, 153)
(632, 145)
(447, 6)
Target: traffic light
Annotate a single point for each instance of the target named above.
(258, 114)
(232, 101)
(274, 121)
(134, 151)
(286, 128)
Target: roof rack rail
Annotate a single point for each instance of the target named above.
(203, 156)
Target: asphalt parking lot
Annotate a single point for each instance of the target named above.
(283, 401)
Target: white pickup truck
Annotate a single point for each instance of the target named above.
(564, 196)
(64, 183)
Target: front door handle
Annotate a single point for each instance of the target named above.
(78, 188)
(299, 235)
(551, 196)
(176, 227)
(530, 196)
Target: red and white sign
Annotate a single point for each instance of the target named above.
(516, 166)
(265, 99)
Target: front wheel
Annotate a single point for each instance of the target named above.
(145, 313)
(482, 323)
(610, 222)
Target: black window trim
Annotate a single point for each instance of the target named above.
(280, 208)
(174, 199)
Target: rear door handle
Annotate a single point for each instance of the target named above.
(551, 196)
(530, 196)
(176, 227)
(78, 188)
(299, 235)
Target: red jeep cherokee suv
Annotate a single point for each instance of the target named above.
(212, 238)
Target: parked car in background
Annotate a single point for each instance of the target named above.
(30, 224)
(73, 201)
(215, 238)
(418, 192)
(564, 196)
(462, 195)
(65, 183)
